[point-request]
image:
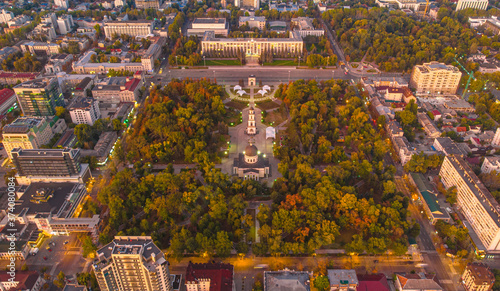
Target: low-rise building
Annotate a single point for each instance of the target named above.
(23, 280)
(58, 63)
(253, 21)
(26, 133)
(429, 127)
(404, 149)
(83, 87)
(304, 26)
(75, 287)
(393, 94)
(429, 200)
(373, 282)
(419, 281)
(43, 32)
(459, 105)
(19, 20)
(7, 100)
(287, 280)
(84, 66)
(39, 48)
(146, 4)
(343, 280)
(85, 111)
(130, 27)
(117, 89)
(218, 26)
(477, 277)
(447, 146)
(474, 4)
(394, 129)
(209, 276)
(82, 42)
(12, 78)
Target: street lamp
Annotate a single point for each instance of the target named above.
(288, 76)
(204, 64)
(214, 76)
(299, 60)
(176, 62)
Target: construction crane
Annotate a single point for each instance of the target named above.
(470, 74)
(426, 7)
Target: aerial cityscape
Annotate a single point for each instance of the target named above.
(248, 145)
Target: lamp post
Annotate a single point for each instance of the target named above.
(299, 60)
(204, 64)
(169, 76)
(176, 64)
(214, 76)
(288, 76)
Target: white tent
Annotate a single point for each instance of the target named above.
(237, 87)
(266, 87)
(270, 132)
(241, 92)
(262, 92)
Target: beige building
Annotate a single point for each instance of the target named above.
(218, 26)
(132, 28)
(146, 4)
(247, 3)
(116, 90)
(304, 26)
(132, 263)
(253, 21)
(26, 133)
(474, 4)
(475, 202)
(153, 53)
(477, 277)
(84, 66)
(435, 78)
(254, 46)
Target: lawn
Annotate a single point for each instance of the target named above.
(266, 105)
(281, 63)
(274, 118)
(220, 63)
(232, 117)
(372, 71)
(354, 66)
(237, 105)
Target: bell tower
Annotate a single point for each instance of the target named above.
(251, 128)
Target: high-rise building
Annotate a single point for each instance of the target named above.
(496, 138)
(61, 3)
(39, 97)
(477, 277)
(474, 4)
(65, 24)
(6, 16)
(435, 78)
(476, 203)
(85, 111)
(132, 263)
(26, 133)
(132, 28)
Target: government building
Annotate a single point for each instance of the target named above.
(132, 28)
(292, 46)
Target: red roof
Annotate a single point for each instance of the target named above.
(26, 279)
(18, 75)
(435, 112)
(6, 94)
(373, 282)
(220, 275)
(132, 84)
(461, 129)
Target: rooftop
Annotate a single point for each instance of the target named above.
(449, 146)
(23, 124)
(481, 273)
(373, 282)
(39, 83)
(83, 84)
(74, 287)
(342, 277)
(210, 20)
(419, 281)
(35, 153)
(83, 103)
(26, 279)
(287, 280)
(6, 94)
(429, 197)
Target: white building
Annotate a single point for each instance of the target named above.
(132, 28)
(490, 164)
(18, 20)
(202, 25)
(475, 202)
(61, 3)
(253, 21)
(304, 26)
(65, 24)
(133, 263)
(247, 3)
(496, 139)
(6, 16)
(85, 111)
(153, 53)
(251, 128)
(474, 4)
(119, 3)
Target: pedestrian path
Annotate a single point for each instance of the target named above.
(252, 99)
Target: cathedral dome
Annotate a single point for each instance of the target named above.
(251, 151)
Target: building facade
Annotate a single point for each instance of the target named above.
(132, 28)
(132, 263)
(247, 3)
(252, 47)
(85, 111)
(477, 277)
(62, 3)
(40, 48)
(490, 164)
(209, 276)
(7, 100)
(47, 162)
(26, 133)
(153, 53)
(116, 90)
(6, 16)
(253, 21)
(304, 26)
(65, 24)
(435, 78)
(219, 26)
(475, 202)
(146, 4)
(39, 97)
(474, 4)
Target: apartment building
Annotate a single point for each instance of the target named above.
(65, 24)
(39, 97)
(132, 263)
(219, 26)
(490, 164)
(475, 202)
(43, 31)
(429, 127)
(18, 21)
(6, 16)
(40, 48)
(253, 21)
(477, 277)
(474, 4)
(304, 26)
(85, 111)
(404, 149)
(252, 47)
(286, 280)
(435, 78)
(26, 133)
(132, 27)
(247, 3)
(61, 3)
(447, 146)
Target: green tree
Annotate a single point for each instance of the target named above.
(322, 283)
(83, 132)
